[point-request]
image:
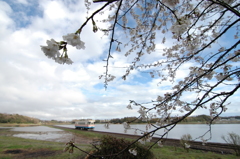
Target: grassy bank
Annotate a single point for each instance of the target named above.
(168, 152)
(87, 134)
(13, 147)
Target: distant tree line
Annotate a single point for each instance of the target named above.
(16, 118)
(191, 119)
(199, 118)
(236, 117)
(128, 119)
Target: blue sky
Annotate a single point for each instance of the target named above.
(33, 85)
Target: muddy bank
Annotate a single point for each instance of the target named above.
(25, 154)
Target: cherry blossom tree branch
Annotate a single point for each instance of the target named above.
(192, 34)
(111, 43)
(93, 14)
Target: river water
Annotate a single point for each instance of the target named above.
(195, 130)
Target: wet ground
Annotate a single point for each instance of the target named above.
(47, 134)
(41, 133)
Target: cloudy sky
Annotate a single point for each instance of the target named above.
(33, 85)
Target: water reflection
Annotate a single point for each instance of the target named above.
(42, 133)
(52, 136)
(35, 129)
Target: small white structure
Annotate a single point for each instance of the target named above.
(85, 124)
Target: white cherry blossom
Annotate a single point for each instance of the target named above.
(204, 141)
(180, 26)
(171, 3)
(145, 139)
(74, 40)
(63, 60)
(187, 146)
(133, 151)
(129, 106)
(52, 50)
(160, 144)
(143, 113)
(126, 125)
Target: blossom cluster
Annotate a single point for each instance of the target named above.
(187, 146)
(52, 50)
(160, 144)
(180, 26)
(53, 47)
(126, 125)
(171, 3)
(146, 138)
(143, 113)
(204, 141)
(74, 40)
(133, 151)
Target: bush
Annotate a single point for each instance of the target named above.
(185, 141)
(234, 140)
(119, 148)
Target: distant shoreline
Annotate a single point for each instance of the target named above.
(184, 123)
(17, 125)
(41, 124)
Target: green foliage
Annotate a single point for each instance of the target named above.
(192, 119)
(126, 119)
(234, 140)
(16, 118)
(118, 148)
(198, 118)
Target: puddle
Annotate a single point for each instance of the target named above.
(49, 136)
(45, 133)
(42, 133)
(35, 129)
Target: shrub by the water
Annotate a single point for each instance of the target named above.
(234, 140)
(185, 141)
(119, 148)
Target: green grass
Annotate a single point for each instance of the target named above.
(167, 152)
(86, 133)
(8, 143)
(13, 143)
